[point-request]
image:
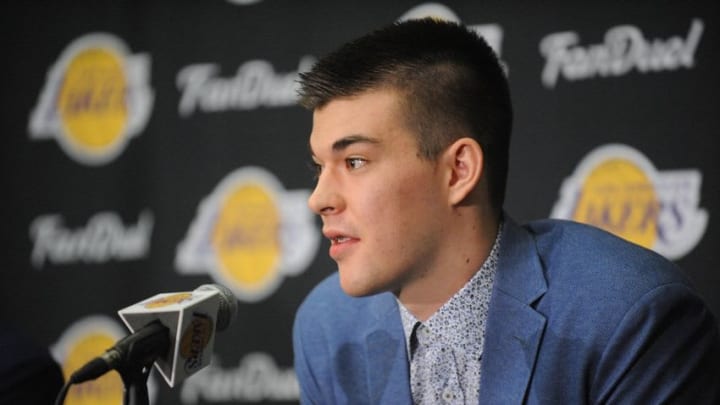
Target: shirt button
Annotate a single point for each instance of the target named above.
(422, 335)
(447, 394)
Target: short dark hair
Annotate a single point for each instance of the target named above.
(451, 83)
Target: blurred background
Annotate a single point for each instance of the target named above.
(154, 146)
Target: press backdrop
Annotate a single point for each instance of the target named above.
(154, 146)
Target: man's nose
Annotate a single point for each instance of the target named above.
(325, 198)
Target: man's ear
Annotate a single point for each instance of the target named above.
(464, 159)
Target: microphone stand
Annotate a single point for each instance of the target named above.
(134, 379)
(141, 350)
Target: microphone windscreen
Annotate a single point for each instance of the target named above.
(228, 308)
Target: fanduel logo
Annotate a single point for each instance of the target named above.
(625, 48)
(104, 238)
(256, 84)
(257, 379)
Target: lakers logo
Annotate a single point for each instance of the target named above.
(618, 196)
(168, 300)
(616, 188)
(95, 98)
(82, 342)
(435, 11)
(194, 340)
(249, 234)
(246, 236)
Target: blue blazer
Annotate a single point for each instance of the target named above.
(577, 316)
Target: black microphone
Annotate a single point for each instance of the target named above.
(168, 329)
(137, 350)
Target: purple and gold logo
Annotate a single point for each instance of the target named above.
(194, 340)
(96, 97)
(249, 234)
(83, 341)
(616, 188)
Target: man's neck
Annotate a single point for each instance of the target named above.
(464, 256)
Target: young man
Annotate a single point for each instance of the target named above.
(440, 297)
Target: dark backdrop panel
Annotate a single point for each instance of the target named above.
(208, 93)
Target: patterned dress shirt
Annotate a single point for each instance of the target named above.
(445, 351)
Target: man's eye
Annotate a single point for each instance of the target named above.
(315, 168)
(355, 163)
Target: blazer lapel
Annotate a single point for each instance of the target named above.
(514, 329)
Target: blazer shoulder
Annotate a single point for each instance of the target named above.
(327, 305)
(579, 251)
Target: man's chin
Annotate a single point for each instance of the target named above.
(357, 288)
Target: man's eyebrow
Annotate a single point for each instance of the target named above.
(343, 143)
